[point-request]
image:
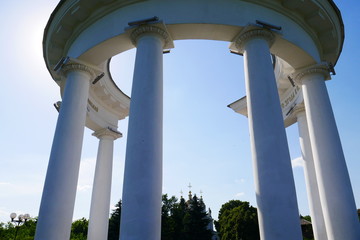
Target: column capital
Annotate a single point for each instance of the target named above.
(156, 28)
(250, 33)
(71, 67)
(299, 110)
(321, 68)
(67, 65)
(107, 132)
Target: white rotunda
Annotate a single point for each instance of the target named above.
(304, 38)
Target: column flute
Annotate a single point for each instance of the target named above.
(317, 217)
(58, 198)
(336, 194)
(142, 191)
(100, 199)
(275, 189)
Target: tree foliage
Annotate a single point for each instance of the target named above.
(25, 231)
(306, 229)
(114, 223)
(238, 220)
(79, 229)
(196, 221)
(167, 221)
(181, 220)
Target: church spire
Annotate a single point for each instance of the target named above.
(190, 195)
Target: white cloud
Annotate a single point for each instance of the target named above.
(240, 194)
(86, 174)
(297, 162)
(239, 181)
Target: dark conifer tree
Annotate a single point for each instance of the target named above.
(114, 223)
(196, 221)
(167, 221)
(178, 214)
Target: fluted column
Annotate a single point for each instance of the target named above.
(100, 200)
(336, 194)
(141, 206)
(317, 218)
(274, 183)
(58, 198)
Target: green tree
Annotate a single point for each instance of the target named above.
(79, 229)
(7, 231)
(238, 220)
(114, 223)
(306, 228)
(167, 221)
(184, 220)
(226, 206)
(196, 221)
(26, 231)
(178, 214)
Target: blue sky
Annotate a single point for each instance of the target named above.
(205, 143)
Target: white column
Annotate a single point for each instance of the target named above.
(142, 190)
(336, 194)
(100, 200)
(58, 198)
(275, 189)
(317, 218)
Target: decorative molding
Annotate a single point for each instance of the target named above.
(73, 64)
(299, 110)
(290, 97)
(246, 36)
(73, 67)
(321, 68)
(150, 29)
(107, 132)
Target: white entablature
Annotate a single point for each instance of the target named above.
(95, 31)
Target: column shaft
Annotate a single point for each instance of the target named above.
(142, 191)
(317, 218)
(275, 188)
(57, 203)
(334, 183)
(100, 200)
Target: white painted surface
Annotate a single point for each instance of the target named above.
(100, 199)
(200, 19)
(334, 184)
(275, 190)
(317, 217)
(141, 208)
(58, 198)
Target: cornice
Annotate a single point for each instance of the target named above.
(81, 14)
(72, 17)
(306, 17)
(95, 16)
